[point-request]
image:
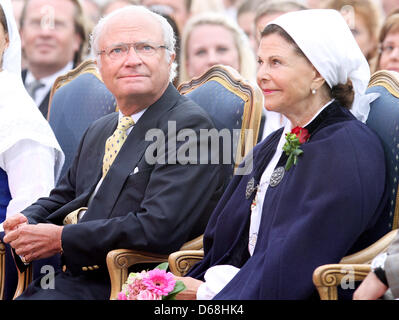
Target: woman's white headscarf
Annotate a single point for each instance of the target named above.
(20, 119)
(326, 40)
(12, 56)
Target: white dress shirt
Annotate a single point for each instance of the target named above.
(48, 82)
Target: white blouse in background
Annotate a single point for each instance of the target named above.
(30, 171)
(29, 151)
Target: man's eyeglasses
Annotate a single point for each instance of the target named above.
(121, 50)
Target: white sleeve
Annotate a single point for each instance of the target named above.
(216, 278)
(30, 171)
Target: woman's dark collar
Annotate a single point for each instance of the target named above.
(331, 114)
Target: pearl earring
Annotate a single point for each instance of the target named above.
(313, 91)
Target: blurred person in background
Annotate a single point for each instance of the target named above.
(246, 19)
(388, 54)
(201, 6)
(364, 20)
(53, 35)
(316, 4)
(270, 10)
(92, 10)
(112, 5)
(389, 6)
(179, 10)
(213, 38)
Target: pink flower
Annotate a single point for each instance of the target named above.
(122, 296)
(148, 295)
(160, 282)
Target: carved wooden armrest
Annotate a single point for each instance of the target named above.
(366, 255)
(328, 277)
(180, 262)
(118, 262)
(354, 267)
(195, 244)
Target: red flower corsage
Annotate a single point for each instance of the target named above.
(292, 148)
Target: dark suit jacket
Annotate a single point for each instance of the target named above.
(44, 105)
(156, 209)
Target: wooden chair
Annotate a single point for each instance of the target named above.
(233, 104)
(384, 120)
(77, 99)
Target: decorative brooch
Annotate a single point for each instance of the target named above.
(292, 148)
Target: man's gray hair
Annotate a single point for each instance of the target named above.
(167, 31)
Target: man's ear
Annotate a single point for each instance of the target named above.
(172, 58)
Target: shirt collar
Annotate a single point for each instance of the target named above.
(49, 80)
(135, 116)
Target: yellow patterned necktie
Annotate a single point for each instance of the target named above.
(115, 142)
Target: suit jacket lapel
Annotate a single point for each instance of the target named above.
(44, 105)
(129, 156)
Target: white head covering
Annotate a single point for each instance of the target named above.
(20, 118)
(326, 40)
(12, 56)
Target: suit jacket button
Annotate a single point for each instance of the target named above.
(96, 267)
(90, 268)
(84, 268)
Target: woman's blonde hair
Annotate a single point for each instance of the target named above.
(247, 59)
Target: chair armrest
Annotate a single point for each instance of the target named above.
(118, 262)
(180, 262)
(195, 244)
(326, 278)
(354, 267)
(366, 255)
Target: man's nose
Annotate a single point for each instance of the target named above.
(132, 57)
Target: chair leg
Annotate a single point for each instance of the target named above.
(2, 268)
(24, 279)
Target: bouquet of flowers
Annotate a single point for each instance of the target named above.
(156, 284)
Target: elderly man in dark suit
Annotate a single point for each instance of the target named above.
(123, 197)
